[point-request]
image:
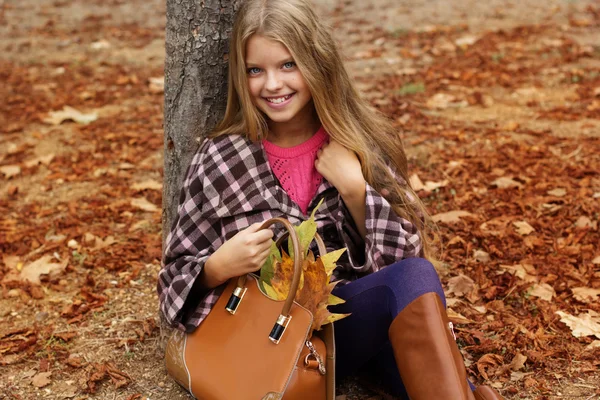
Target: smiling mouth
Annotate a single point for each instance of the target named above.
(278, 100)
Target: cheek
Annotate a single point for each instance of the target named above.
(254, 87)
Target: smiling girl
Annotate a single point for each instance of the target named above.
(296, 132)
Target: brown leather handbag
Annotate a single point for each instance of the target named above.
(253, 347)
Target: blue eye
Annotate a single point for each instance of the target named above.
(289, 64)
(253, 70)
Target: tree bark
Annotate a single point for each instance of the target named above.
(197, 47)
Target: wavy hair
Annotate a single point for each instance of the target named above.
(343, 113)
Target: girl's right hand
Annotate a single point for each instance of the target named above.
(244, 253)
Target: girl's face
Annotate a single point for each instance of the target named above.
(276, 85)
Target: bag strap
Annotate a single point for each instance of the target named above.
(284, 317)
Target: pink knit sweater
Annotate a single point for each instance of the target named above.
(295, 168)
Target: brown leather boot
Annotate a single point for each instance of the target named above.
(430, 364)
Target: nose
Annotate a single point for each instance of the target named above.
(274, 82)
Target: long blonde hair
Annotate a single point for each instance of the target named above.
(343, 113)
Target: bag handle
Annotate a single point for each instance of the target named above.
(284, 317)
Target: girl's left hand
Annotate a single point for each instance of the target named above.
(340, 167)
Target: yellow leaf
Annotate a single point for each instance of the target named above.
(271, 292)
(334, 300)
(306, 232)
(330, 258)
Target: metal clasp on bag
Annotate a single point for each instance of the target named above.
(279, 328)
(235, 299)
(317, 357)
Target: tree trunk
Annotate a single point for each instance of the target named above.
(197, 39)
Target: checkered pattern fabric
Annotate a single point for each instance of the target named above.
(229, 186)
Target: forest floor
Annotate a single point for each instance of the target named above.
(498, 103)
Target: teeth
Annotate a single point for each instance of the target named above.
(277, 100)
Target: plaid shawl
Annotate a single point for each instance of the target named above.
(229, 186)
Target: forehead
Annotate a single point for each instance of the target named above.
(263, 50)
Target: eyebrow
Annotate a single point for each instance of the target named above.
(286, 60)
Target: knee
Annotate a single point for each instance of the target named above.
(415, 277)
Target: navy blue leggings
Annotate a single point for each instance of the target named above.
(374, 301)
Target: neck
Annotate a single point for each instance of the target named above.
(294, 132)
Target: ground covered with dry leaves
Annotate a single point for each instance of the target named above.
(499, 108)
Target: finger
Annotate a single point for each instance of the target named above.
(254, 227)
(263, 235)
(265, 246)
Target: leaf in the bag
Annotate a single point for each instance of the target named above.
(282, 278)
(316, 295)
(315, 286)
(330, 258)
(306, 232)
(272, 293)
(323, 317)
(268, 269)
(334, 300)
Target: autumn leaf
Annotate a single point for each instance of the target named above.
(543, 291)
(460, 285)
(451, 216)
(330, 258)
(144, 204)
(306, 232)
(268, 269)
(69, 113)
(582, 325)
(282, 276)
(34, 270)
(42, 379)
(314, 289)
(10, 170)
(585, 294)
(523, 228)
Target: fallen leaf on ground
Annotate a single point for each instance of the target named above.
(517, 376)
(526, 272)
(460, 285)
(42, 266)
(69, 113)
(506, 182)
(488, 361)
(523, 228)
(442, 101)
(518, 362)
(451, 216)
(42, 379)
(96, 243)
(100, 44)
(46, 160)
(481, 256)
(584, 222)
(156, 85)
(586, 294)
(582, 325)
(466, 41)
(457, 318)
(596, 260)
(543, 291)
(147, 184)
(559, 192)
(429, 186)
(144, 204)
(594, 345)
(10, 170)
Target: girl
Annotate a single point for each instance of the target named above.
(296, 131)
